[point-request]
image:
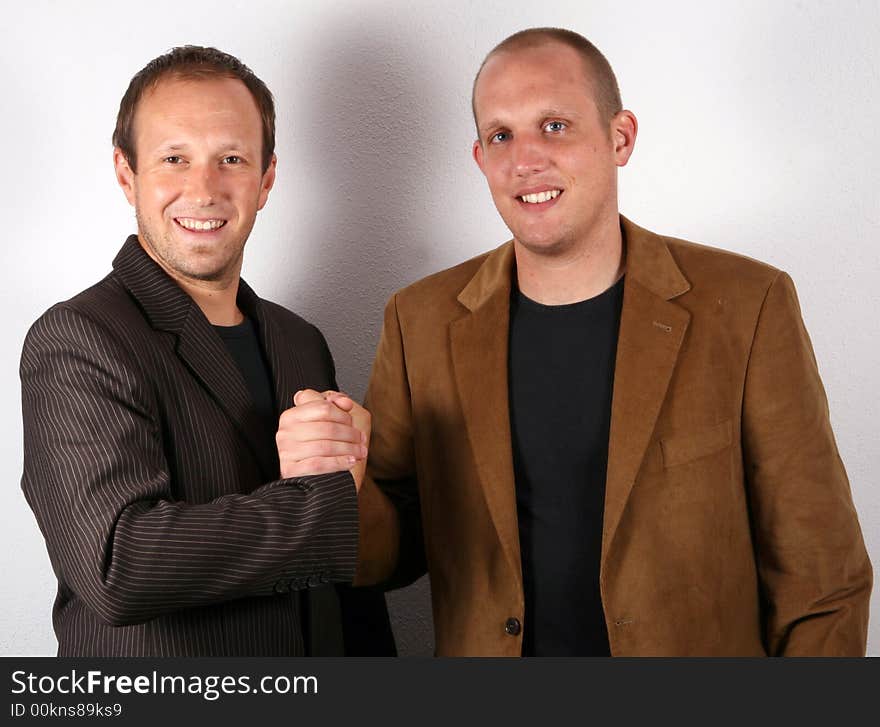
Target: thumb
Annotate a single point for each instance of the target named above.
(305, 396)
(340, 399)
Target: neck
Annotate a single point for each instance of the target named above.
(579, 273)
(217, 301)
(216, 298)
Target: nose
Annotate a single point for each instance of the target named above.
(529, 156)
(202, 184)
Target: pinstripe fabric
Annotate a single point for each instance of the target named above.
(157, 489)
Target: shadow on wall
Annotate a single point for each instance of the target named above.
(366, 115)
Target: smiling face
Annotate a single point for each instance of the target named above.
(549, 158)
(199, 180)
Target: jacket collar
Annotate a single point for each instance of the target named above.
(652, 329)
(168, 308)
(648, 261)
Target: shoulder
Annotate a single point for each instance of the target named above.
(292, 324)
(708, 265)
(450, 280)
(97, 340)
(722, 281)
(696, 274)
(439, 291)
(90, 319)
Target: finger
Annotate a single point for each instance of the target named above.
(298, 451)
(286, 439)
(316, 466)
(314, 411)
(343, 401)
(304, 396)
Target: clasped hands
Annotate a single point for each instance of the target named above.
(323, 432)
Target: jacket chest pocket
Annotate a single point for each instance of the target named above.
(680, 449)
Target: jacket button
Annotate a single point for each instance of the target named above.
(512, 626)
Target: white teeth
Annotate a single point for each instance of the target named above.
(191, 224)
(539, 197)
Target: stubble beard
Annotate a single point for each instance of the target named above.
(163, 252)
(570, 239)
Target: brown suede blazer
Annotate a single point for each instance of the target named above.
(729, 526)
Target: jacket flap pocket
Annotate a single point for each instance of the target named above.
(683, 448)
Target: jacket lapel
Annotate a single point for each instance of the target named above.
(652, 329)
(280, 351)
(169, 308)
(479, 343)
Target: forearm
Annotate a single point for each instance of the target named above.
(814, 569)
(379, 538)
(152, 557)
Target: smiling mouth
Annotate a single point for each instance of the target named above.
(194, 225)
(540, 197)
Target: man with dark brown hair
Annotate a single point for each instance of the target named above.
(188, 508)
(596, 439)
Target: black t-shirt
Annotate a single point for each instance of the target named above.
(244, 346)
(561, 375)
(319, 607)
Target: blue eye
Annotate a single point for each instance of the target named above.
(499, 137)
(554, 126)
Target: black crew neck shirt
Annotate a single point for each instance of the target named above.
(244, 346)
(561, 376)
(318, 607)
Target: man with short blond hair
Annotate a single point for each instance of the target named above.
(596, 439)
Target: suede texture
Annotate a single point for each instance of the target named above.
(729, 525)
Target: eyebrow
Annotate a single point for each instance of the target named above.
(489, 125)
(228, 145)
(176, 146)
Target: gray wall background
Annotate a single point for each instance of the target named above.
(758, 125)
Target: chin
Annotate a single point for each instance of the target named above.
(208, 276)
(544, 245)
(210, 273)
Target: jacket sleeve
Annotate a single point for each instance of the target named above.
(814, 571)
(391, 464)
(366, 626)
(98, 482)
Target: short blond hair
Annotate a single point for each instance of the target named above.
(605, 88)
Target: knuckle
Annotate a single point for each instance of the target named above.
(282, 443)
(317, 465)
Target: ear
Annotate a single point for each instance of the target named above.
(124, 174)
(477, 151)
(268, 182)
(624, 128)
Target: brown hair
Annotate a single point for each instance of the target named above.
(606, 91)
(192, 62)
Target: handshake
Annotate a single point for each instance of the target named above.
(323, 432)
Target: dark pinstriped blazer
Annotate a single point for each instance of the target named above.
(158, 490)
